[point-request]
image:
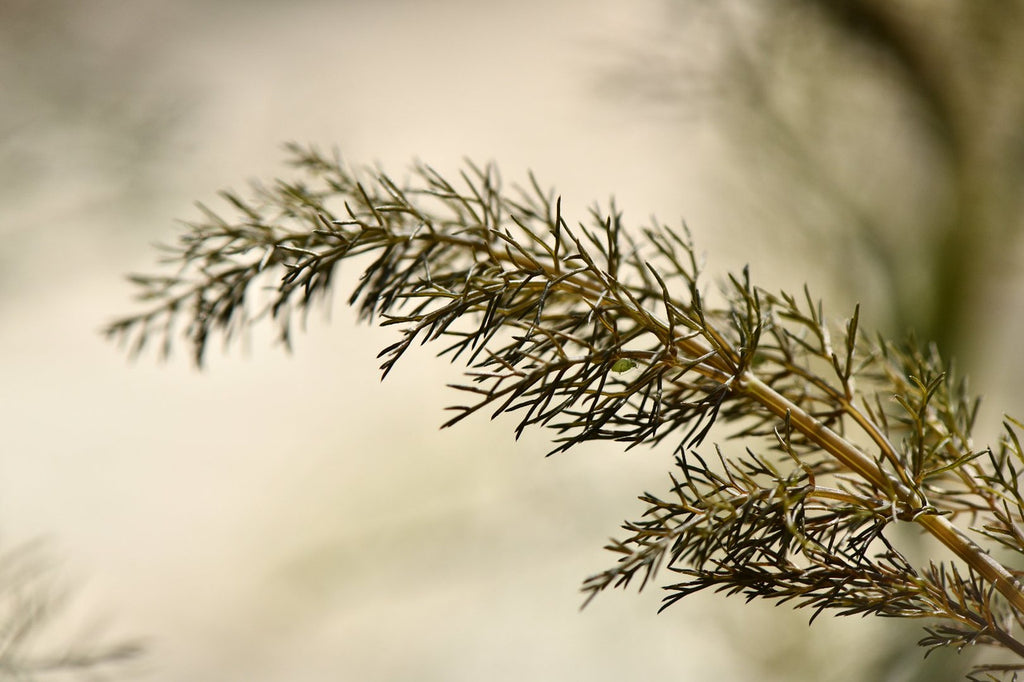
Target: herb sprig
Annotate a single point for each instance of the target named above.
(600, 332)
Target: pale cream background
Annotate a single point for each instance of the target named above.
(290, 517)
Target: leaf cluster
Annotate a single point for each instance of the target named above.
(600, 332)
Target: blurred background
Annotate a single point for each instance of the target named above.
(289, 516)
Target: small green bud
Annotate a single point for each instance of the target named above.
(623, 364)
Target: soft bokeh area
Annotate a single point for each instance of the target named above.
(290, 517)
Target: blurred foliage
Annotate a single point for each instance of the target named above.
(31, 608)
(887, 136)
(80, 127)
(79, 107)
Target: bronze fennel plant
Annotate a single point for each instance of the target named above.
(600, 333)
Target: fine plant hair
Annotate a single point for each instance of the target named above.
(601, 332)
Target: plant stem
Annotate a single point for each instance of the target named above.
(853, 458)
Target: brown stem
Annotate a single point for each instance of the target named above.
(858, 462)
